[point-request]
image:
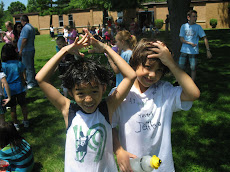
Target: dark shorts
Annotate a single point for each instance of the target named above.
(17, 99)
(2, 108)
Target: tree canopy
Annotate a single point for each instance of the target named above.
(16, 7)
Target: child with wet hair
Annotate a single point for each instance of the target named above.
(89, 134)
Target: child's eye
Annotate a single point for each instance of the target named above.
(160, 70)
(80, 94)
(147, 67)
(95, 92)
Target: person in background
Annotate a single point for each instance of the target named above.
(8, 36)
(3, 82)
(65, 32)
(72, 34)
(125, 43)
(27, 51)
(17, 31)
(65, 61)
(15, 72)
(189, 36)
(52, 32)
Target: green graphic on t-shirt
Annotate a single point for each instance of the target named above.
(95, 139)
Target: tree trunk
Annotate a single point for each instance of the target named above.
(105, 15)
(177, 16)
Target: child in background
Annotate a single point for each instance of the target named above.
(15, 72)
(144, 117)
(125, 43)
(14, 149)
(65, 62)
(89, 134)
(2, 100)
(190, 33)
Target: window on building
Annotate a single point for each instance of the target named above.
(70, 20)
(60, 21)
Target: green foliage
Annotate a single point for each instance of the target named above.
(16, 7)
(32, 6)
(1, 13)
(213, 23)
(158, 23)
(7, 17)
(36, 31)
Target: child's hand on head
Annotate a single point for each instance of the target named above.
(162, 52)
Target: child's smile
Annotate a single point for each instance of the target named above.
(88, 97)
(147, 75)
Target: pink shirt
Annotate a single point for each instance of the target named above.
(73, 34)
(9, 34)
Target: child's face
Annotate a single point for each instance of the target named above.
(192, 19)
(60, 44)
(88, 97)
(119, 43)
(148, 74)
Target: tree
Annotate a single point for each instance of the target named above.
(53, 7)
(177, 16)
(32, 6)
(16, 7)
(1, 13)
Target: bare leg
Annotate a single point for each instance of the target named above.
(193, 74)
(14, 114)
(24, 112)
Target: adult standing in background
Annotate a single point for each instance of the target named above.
(8, 36)
(27, 51)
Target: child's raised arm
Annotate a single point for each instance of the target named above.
(190, 91)
(43, 76)
(115, 99)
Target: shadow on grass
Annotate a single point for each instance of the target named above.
(200, 137)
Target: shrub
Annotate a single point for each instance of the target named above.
(213, 23)
(36, 31)
(158, 23)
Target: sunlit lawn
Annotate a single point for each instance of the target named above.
(200, 137)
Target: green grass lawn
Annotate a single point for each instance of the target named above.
(200, 136)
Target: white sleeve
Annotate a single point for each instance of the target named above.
(181, 105)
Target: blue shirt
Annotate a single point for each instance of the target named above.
(19, 160)
(126, 55)
(191, 33)
(13, 70)
(28, 33)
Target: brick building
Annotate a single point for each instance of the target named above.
(207, 9)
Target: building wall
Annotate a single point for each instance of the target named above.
(161, 13)
(88, 18)
(218, 11)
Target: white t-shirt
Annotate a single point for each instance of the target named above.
(65, 33)
(2, 75)
(144, 121)
(89, 145)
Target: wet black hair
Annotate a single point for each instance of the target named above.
(140, 53)
(9, 135)
(8, 53)
(85, 71)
